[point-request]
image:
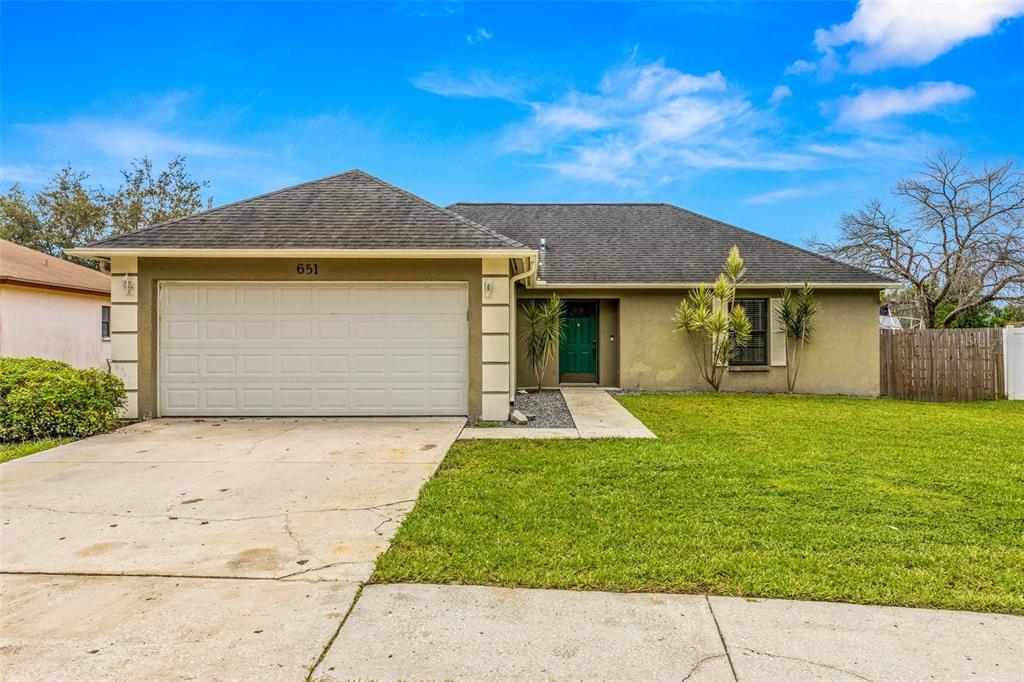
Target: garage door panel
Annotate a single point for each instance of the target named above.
(257, 297)
(219, 330)
(181, 298)
(332, 329)
(332, 365)
(220, 365)
(318, 349)
(220, 299)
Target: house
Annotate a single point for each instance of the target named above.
(52, 308)
(350, 296)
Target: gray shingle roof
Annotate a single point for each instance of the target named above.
(353, 210)
(651, 244)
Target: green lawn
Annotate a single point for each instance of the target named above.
(870, 501)
(9, 451)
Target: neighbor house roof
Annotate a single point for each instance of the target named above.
(27, 267)
(651, 244)
(350, 211)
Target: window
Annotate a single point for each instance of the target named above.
(105, 321)
(756, 351)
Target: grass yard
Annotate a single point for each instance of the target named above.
(9, 451)
(839, 499)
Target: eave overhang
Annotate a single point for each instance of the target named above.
(100, 252)
(692, 285)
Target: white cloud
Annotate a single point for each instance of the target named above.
(567, 117)
(477, 85)
(800, 66)
(24, 173)
(153, 127)
(910, 32)
(872, 105)
(645, 124)
(780, 93)
(479, 35)
(780, 195)
(642, 122)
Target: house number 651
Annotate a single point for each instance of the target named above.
(307, 269)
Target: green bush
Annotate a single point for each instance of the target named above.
(49, 399)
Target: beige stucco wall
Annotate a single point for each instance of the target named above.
(843, 359)
(52, 324)
(151, 271)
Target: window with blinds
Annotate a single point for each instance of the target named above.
(756, 351)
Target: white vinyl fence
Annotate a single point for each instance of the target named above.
(1013, 350)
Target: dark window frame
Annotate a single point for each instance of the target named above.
(105, 321)
(756, 353)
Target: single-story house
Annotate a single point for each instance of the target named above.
(52, 308)
(350, 296)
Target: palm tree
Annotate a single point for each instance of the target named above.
(795, 311)
(542, 333)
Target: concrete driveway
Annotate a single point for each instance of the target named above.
(200, 549)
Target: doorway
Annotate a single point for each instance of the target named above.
(577, 354)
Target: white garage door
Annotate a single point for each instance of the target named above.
(334, 348)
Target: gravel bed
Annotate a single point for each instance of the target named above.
(549, 410)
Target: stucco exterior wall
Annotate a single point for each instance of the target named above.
(51, 324)
(151, 271)
(843, 358)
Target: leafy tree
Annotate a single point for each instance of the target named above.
(67, 212)
(144, 200)
(795, 312)
(63, 213)
(958, 239)
(1008, 315)
(542, 333)
(716, 329)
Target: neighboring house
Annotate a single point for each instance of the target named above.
(52, 308)
(349, 296)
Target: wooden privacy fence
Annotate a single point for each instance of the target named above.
(942, 365)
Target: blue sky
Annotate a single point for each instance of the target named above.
(773, 116)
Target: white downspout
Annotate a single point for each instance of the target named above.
(513, 346)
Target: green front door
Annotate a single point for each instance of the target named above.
(577, 355)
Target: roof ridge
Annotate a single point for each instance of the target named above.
(508, 241)
(562, 203)
(230, 204)
(779, 241)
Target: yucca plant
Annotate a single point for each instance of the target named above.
(795, 312)
(715, 327)
(542, 332)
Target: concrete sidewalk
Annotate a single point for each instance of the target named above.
(441, 632)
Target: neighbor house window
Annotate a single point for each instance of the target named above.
(105, 321)
(756, 351)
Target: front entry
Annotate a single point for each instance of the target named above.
(577, 355)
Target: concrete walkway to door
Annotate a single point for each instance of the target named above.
(594, 411)
(200, 548)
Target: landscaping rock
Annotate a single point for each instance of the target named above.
(542, 409)
(518, 417)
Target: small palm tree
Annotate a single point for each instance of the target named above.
(716, 328)
(542, 333)
(795, 312)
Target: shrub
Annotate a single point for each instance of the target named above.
(49, 399)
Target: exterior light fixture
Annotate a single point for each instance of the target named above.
(128, 284)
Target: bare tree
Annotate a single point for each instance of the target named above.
(958, 237)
